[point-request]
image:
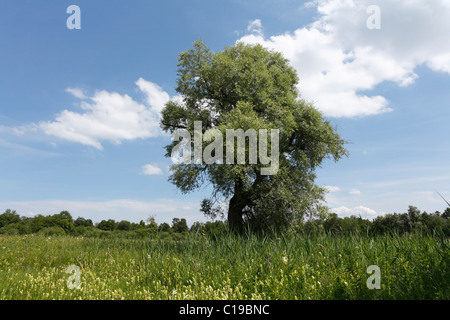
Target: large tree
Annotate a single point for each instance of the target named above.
(250, 87)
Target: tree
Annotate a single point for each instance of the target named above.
(196, 227)
(107, 225)
(179, 225)
(164, 227)
(124, 225)
(251, 88)
(446, 213)
(151, 224)
(80, 221)
(66, 216)
(9, 217)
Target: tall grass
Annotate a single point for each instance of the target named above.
(289, 267)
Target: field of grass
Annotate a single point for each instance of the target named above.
(412, 266)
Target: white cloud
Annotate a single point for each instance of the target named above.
(255, 27)
(355, 192)
(110, 116)
(150, 169)
(156, 97)
(332, 188)
(337, 57)
(76, 92)
(364, 212)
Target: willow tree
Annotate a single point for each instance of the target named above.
(248, 87)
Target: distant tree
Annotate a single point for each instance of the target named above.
(436, 223)
(311, 226)
(124, 225)
(63, 220)
(107, 225)
(80, 221)
(164, 227)
(413, 214)
(179, 225)
(66, 216)
(333, 223)
(196, 227)
(9, 217)
(151, 224)
(446, 213)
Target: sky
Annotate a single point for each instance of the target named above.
(80, 108)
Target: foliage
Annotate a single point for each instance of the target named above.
(409, 222)
(179, 225)
(8, 217)
(249, 87)
(107, 225)
(80, 221)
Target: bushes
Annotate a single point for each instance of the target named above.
(8, 217)
(52, 231)
(410, 222)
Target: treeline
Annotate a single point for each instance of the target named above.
(63, 224)
(397, 223)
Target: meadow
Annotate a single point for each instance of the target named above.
(201, 267)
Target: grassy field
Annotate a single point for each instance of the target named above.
(294, 267)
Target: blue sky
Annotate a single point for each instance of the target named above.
(79, 108)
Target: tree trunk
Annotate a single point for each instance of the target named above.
(237, 205)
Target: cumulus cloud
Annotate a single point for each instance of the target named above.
(150, 169)
(338, 58)
(355, 192)
(110, 116)
(364, 212)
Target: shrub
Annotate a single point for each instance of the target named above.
(52, 231)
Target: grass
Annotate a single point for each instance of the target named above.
(412, 266)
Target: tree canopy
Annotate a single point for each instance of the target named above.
(249, 87)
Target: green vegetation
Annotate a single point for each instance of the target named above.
(249, 88)
(324, 266)
(63, 224)
(317, 259)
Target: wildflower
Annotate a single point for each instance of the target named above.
(285, 260)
